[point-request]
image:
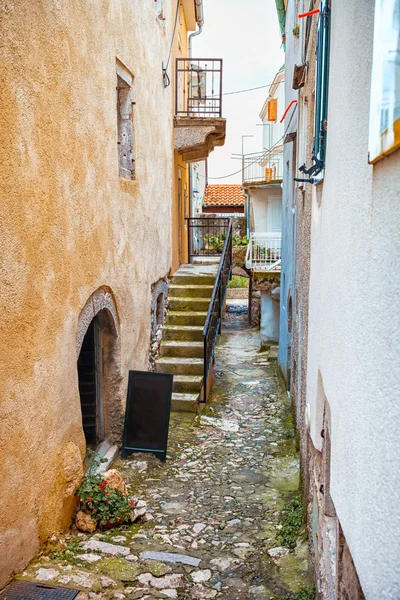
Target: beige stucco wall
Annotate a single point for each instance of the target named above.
(354, 308)
(68, 226)
(180, 49)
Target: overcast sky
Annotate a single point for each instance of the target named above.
(245, 33)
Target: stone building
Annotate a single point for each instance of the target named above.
(86, 154)
(342, 259)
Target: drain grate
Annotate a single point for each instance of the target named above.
(23, 590)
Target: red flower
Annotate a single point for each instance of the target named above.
(118, 518)
(132, 503)
(89, 500)
(94, 510)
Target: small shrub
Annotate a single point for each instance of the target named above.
(292, 521)
(305, 593)
(296, 30)
(106, 505)
(238, 282)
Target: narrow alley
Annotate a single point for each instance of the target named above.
(215, 507)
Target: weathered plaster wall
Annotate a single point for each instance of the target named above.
(180, 175)
(289, 192)
(69, 225)
(269, 326)
(354, 312)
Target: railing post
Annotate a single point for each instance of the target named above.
(205, 366)
(189, 246)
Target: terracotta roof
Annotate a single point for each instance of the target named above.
(224, 195)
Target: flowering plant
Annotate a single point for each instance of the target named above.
(105, 504)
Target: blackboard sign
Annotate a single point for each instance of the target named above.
(148, 407)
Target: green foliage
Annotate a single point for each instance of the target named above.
(296, 30)
(305, 593)
(105, 505)
(215, 243)
(71, 552)
(238, 282)
(240, 241)
(292, 522)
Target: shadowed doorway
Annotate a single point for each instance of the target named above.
(90, 375)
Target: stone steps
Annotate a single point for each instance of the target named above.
(182, 347)
(185, 402)
(186, 384)
(190, 304)
(190, 291)
(176, 317)
(180, 366)
(182, 333)
(186, 278)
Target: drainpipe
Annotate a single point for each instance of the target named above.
(198, 7)
(280, 7)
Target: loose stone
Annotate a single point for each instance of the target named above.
(106, 548)
(200, 576)
(161, 583)
(47, 574)
(171, 557)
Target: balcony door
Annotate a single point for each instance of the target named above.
(274, 217)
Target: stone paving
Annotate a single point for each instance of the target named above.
(215, 505)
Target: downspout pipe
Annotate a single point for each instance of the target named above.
(198, 6)
(280, 7)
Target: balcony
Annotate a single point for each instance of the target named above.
(199, 126)
(263, 168)
(264, 252)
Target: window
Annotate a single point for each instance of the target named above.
(272, 109)
(321, 84)
(125, 139)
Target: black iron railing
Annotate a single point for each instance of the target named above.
(198, 89)
(206, 236)
(212, 326)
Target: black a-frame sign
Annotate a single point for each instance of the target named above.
(148, 407)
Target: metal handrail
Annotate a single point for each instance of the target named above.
(212, 326)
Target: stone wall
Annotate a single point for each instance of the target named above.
(159, 310)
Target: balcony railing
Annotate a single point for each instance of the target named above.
(198, 87)
(206, 236)
(264, 252)
(264, 167)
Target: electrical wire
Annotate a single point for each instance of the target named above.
(166, 78)
(260, 87)
(257, 160)
(250, 164)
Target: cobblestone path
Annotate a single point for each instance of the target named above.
(216, 503)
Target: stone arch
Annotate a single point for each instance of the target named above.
(98, 336)
(101, 299)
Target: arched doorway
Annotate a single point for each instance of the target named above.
(90, 377)
(98, 366)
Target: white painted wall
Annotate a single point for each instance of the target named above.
(355, 313)
(269, 326)
(266, 203)
(273, 135)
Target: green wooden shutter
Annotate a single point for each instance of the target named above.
(322, 81)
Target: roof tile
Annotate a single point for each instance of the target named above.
(224, 195)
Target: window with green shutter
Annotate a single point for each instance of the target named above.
(322, 82)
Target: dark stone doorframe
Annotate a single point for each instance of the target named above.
(101, 308)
